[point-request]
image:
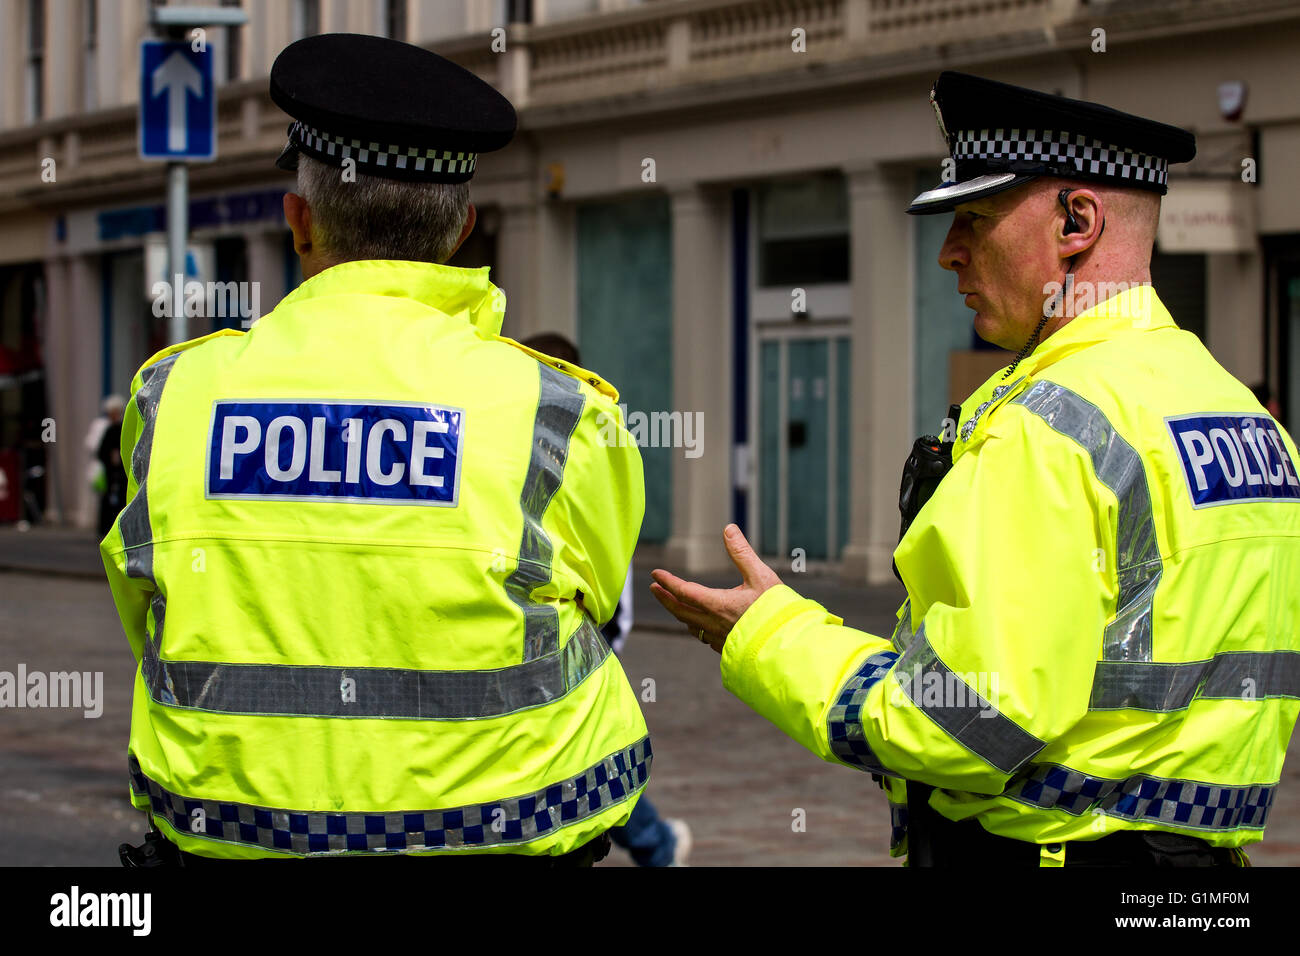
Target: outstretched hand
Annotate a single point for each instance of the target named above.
(710, 613)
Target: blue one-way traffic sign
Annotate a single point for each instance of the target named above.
(178, 102)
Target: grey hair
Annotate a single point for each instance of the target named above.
(375, 218)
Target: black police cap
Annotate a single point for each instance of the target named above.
(399, 111)
(1001, 136)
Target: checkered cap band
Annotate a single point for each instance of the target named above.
(371, 156)
(1087, 156)
(510, 821)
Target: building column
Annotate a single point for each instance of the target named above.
(516, 272)
(59, 348)
(556, 291)
(702, 378)
(1234, 313)
(65, 58)
(265, 253)
(882, 366)
(74, 374)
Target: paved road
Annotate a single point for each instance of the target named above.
(733, 776)
(717, 764)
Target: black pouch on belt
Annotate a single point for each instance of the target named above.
(156, 850)
(929, 461)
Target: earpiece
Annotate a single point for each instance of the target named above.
(1071, 224)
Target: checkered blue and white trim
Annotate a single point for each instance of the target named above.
(844, 720)
(508, 822)
(380, 156)
(1145, 799)
(1089, 156)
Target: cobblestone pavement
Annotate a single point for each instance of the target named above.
(735, 778)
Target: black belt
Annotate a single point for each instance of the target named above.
(935, 841)
(158, 851)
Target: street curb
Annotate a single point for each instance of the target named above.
(52, 572)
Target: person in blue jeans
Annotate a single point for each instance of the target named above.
(650, 840)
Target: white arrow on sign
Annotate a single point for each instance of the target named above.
(176, 75)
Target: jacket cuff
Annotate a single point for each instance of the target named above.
(774, 608)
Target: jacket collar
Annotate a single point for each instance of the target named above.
(1136, 309)
(463, 293)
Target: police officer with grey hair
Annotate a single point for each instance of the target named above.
(371, 541)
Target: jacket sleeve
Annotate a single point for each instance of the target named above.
(1011, 575)
(595, 517)
(131, 594)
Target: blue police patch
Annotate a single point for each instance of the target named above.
(397, 453)
(1228, 458)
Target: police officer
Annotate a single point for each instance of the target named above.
(370, 543)
(1098, 661)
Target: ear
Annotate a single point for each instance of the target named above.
(471, 217)
(1089, 214)
(298, 215)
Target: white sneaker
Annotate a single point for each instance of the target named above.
(682, 831)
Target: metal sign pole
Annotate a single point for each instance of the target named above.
(174, 127)
(178, 227)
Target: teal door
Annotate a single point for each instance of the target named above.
(803, 408)
(625, 323)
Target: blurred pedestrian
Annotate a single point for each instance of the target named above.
(109, 473)
(1268, 398)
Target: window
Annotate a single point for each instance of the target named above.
(565, 9)
(234, 46)
(1179, 281)
(395, 19)
(35, 60)
(306, 18)
(803, 232)
(90, 80)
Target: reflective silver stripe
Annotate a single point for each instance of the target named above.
(137, 534)
(384, 692)
(559, 407)
(902, 636)
(1119, 468)
(1121, 685)
(510, 821)
(1191, 804)
(134, 524)
(968, 717)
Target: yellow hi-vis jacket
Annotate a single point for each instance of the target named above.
(350, 568)
(1102, 628)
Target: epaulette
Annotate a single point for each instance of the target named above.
(568, 368)
(182, 346)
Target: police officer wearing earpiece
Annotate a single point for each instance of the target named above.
(1098, 661)
(370, 542)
